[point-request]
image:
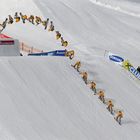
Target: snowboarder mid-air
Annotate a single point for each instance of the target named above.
(3, 25)
(70, 54)
(31, 19)
(23, 17)
(11, 20)
(58, 35)
(38, 20)
(16, 17)
(45, 23)
(51, 28)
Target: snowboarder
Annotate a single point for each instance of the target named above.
(138, 69)
(38, 20)
(84, 76)
(70, 54)
(45, 23)
(119, 116)
(3, 25)
(110, 106)
(16, 17)
(77, 65)
(11, 20)
(23, 17)
(58, 35)
(51, 28)
(62, 40)
(64, 43)
(93, 86)
(31, 19)
(101, 96)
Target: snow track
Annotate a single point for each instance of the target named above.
(116, 8)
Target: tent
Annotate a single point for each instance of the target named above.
(9, 46)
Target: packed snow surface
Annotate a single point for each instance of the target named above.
(45, 98)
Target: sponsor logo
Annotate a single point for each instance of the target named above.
(134, 72)
(116, 58)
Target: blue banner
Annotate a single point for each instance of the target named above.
(52, 53)
(114, 57)
(134, 72)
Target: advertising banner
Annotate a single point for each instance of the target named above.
(115, 58)
(51, 53)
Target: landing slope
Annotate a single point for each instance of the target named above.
(45, 98)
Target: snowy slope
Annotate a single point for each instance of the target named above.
(38, 102)
(38, 106)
